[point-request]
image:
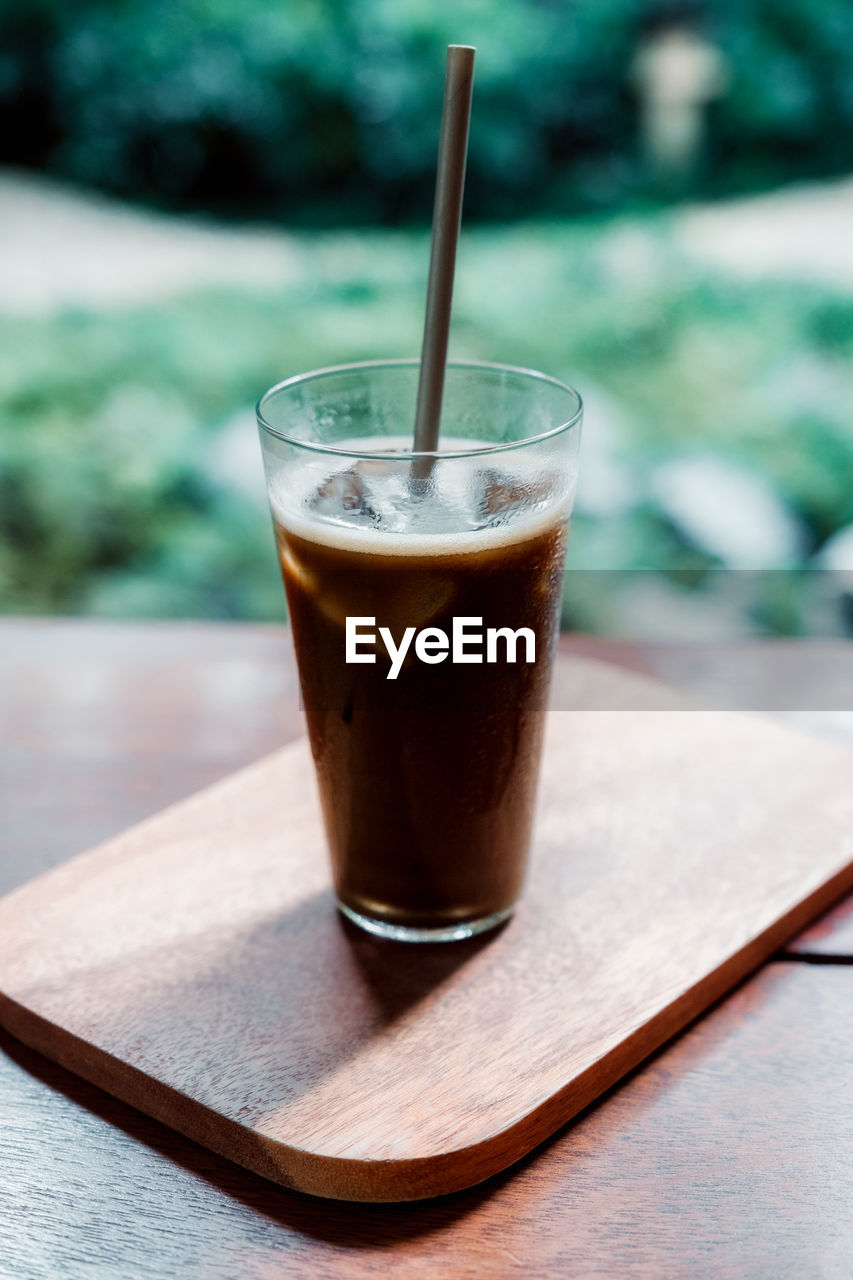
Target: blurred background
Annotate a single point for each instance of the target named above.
(199, 200)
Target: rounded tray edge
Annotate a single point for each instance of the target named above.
(379, 1181)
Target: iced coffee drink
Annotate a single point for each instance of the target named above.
(424, 615)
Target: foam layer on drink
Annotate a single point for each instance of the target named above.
(469, 503)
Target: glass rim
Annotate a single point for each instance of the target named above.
(405, 455)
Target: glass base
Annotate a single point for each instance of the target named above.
(408, 933)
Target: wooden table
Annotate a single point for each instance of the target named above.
(727, 1154)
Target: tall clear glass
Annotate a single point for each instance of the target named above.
(424, 596)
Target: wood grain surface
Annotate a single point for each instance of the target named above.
(727, 1157)
(828, 941)
(105, 723)
(196, 967)
(807, 684)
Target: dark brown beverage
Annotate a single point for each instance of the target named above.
(427, 780)
(424, 592)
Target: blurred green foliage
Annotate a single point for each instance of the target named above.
(130, 478)
(328, 109)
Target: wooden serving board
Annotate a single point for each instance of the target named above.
(196, 967)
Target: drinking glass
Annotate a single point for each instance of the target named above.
(424, 597)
